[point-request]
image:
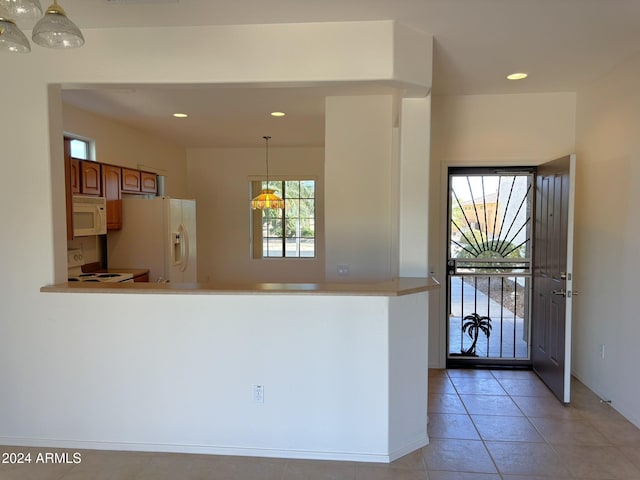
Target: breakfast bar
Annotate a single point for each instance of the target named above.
(323, 371)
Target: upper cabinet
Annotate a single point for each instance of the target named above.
(87, 177)
(130, 180)
(136, 181)
(111, 176)
(148, 182)
(90, 178)
(74, 176)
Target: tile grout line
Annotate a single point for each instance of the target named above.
(495, 465)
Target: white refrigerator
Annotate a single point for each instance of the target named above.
(159, 234)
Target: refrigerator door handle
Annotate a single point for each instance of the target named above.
(180, 248)
(185, 248)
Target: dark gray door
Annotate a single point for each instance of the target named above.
(553, 277)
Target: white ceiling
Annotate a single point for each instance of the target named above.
(562, 44)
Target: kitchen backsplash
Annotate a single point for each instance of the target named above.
(91, 248)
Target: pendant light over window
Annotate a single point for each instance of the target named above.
(55, 30)
(267, 198)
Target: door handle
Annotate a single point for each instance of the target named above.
(562, 292)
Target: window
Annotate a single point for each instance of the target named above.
(290, 232)
(80, 148)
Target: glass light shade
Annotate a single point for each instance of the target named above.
(55, 30)
(267, 199)
(11, 37)
(23, 8)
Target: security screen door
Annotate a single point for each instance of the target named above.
(489, 266)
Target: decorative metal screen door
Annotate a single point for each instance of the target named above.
(489, 266)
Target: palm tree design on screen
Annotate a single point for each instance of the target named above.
(473, 325)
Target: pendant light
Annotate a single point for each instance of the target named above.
(22, 8)
(11, 37)
(55, 30)
(267, 198)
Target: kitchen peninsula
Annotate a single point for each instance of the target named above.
(341, 368)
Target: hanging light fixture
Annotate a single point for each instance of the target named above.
(11, 37)
(55, 30)
(267, 197)
(22, 8)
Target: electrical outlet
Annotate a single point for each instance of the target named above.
(343, 270)
(258, 393)
(602, 350)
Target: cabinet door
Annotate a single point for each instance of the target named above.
(130, 180)
(90, 184)
(111, 177)
(74, 176)
(148, 182)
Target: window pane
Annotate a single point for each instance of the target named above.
(270, 214)
(292, 207)
(292, 188)
(292, 228)
(272, 228)
(292, 248)
(79, 149)
(307, 189)
(272, 247)
(307, 227)
(274, 185)
(307, 247)
(307, 208)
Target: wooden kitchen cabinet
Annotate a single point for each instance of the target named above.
(74, 176)
(148, 182)
(90, 178)
(111, 178)
(141, 278)
(130, 180)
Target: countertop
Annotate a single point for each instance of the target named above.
(393, 288)
(136, 272)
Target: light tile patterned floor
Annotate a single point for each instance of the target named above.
(483, 425)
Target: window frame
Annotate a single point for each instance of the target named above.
(90, 146)
(257, 238)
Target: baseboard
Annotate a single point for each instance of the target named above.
(423, 441)
(44, 444)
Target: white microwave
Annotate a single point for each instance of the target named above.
(89, 215)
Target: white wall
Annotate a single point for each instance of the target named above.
(122, 145)
(219, 181)
(486, 130)
(607, 238)
(44, 336)
(414, 186)
(181, 379)
(360, 180)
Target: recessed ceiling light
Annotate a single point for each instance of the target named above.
(180, 115)
(517, 76)
(278, 114)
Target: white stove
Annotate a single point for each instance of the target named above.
(75, 260)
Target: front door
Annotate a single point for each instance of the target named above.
(553, 276)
